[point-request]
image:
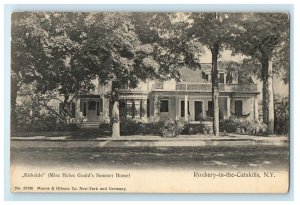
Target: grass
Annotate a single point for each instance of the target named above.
(76, 134)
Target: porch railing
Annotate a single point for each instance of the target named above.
(207, 87)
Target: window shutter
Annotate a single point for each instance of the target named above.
(141, 109)
(73, 110)
(148, 108)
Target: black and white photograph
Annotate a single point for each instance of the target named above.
(150, 102)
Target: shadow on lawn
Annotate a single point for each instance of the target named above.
(91, 133)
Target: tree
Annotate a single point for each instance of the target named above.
(43, 47)
(125, 48)
(215, 31)
(26, 54)
(165, 33)
(114, 52)
(264, 36)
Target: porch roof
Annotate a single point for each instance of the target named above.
(89, 96)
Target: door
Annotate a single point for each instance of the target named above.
(198, 110)
(91, 111)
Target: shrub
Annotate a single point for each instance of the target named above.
(193, 129)
(42, 122)
(257, 128)
(281, 120)
(132, 127)
(171, 128)
(129, 126)
(244, 126)
(33, 115)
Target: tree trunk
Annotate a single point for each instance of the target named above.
(115, 117)
(265, 65)
(271, 99)
(268, 97)
(215, 88)
(13, 102)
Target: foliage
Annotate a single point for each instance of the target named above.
(243, 125)
(34, 114)
(281, 115)
(132, 127)
(171, 128)
(215, 31)
(33, 119)
(214, 27)
(264, 35)
(44, 45)
(192, 129)
(40, 122)
(44, 54)
(62, 52)
(265, 38)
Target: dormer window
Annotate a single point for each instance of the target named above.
(159, 85)
(124, 86)
(222, 77)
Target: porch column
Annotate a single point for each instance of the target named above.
(255, 103)
(106, 105)
(144, 108)
(186, 113)
(156, 108)
(209, 77)
(228, 107)
(177, 108)
(77, 110)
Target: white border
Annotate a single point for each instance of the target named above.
(294, 85)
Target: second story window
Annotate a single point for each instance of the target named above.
(159, 85)
(221, 78)
(124, 86)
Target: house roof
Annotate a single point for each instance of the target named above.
(196, 75)
(191, 76)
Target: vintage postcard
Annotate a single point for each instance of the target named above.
(136, 102)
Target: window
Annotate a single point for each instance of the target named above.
(210, 112)
(122, 106)
(182, 108)
(238, 104)
(129, 108)
(124, 86)
(164, 106)
(84, 109)
(148, 108)
(159, 85)
(133, 108)
(204, 76)
(221, 79)
(137, 108)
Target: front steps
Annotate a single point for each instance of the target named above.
(90, 124)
